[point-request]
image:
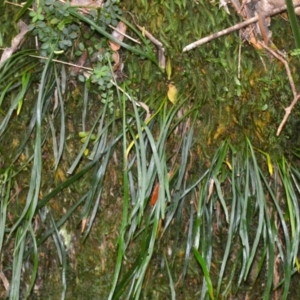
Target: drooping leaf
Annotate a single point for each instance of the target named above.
(172, 93)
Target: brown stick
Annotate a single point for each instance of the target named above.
(288, 111)
(232, 29)
(15, 43)
(296, 96)
(156, 42)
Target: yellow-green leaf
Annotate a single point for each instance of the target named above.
(169, 68)
(172, 93)
(83, 134)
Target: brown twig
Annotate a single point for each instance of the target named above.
(288, 111)
(124, 34)
(15, 43)
(296, 96)
(156, 42)
(232, 29)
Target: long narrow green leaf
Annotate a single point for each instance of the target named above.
(35, 263)
(171, 283)
(231, 229)
(121, 239)
(20, 242)
(35, 180)
(23, 10)
(294, 22)
(271, 258)
(205, 270)
(286, 257)
(96, 190)
(62, 133)
(261, 207)
(84, 146)
(5, 189)
(61, 251)
(15, 102)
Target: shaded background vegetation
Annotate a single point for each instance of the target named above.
(226, 222)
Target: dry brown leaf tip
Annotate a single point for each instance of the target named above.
(118, 34)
